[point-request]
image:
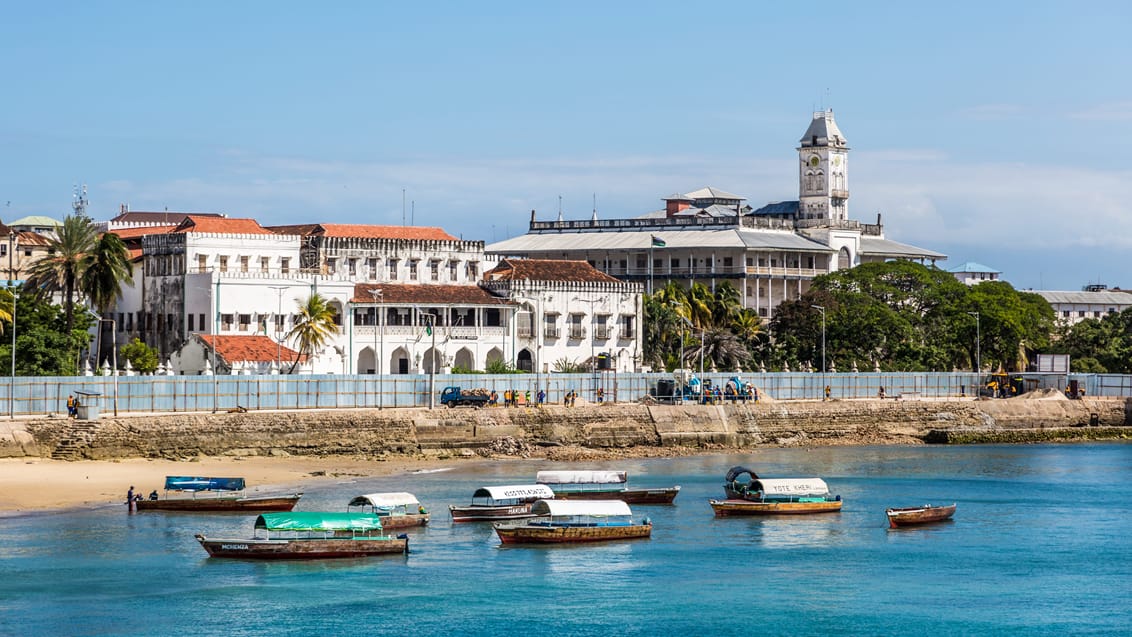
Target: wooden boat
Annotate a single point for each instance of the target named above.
(783, 496)
(501, 503)
(910, 516)
(396, 510)
(305, 536)
(566, 521)
(602, 485)
(215, 494)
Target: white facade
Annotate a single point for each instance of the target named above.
(1071, 308)
(709, 236)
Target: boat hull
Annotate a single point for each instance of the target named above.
(301, 549)
(727, 508)
(222, 503)
(489, 513)
(404, 521)
(913, 516)
(570, 534)
(630, 496)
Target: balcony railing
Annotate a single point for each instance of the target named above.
(551, 332)
(577, 332)
(525, 332)
(601, 332)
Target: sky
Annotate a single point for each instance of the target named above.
(991, 132)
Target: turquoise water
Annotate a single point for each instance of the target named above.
(1039, 546)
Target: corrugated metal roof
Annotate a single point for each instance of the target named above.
(778, 208)
(1108, 297)
(874, 246)
(972, 266)
(642, 240)
(712, 193)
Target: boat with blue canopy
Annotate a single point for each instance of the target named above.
(191, 493)
(309, 535)
(572, 521)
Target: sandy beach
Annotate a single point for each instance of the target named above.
(37, 484)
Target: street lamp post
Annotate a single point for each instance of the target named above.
(12, 386)
(978, 344)
(593, 353)
(431, 318)
(378, 298)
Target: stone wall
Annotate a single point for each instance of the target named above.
(445, 431)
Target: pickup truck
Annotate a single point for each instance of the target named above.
(454, 396)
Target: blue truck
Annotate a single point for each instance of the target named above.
(454, 396)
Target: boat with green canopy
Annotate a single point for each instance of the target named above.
(309, 535)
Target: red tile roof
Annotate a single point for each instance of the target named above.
(547, 270)
(362, 231)
(29, 238)
(427, 294)
(137, 233)
(257, 348)
(220, 225)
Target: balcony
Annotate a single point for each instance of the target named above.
(525, 331)
(577, 332)
(601, 332)
(551, 332)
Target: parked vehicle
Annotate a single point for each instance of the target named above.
(455, 396)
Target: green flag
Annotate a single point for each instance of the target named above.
(657, 242)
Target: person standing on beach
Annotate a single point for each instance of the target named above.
(130, 498)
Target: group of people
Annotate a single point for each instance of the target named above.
(73, 408)
(511, 397)
(132, 497)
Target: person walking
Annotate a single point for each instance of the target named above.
(827, 392)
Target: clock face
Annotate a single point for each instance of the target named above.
(837, 161)
(814, 161)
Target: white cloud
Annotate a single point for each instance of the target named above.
(1111, 112)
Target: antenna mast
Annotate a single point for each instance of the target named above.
(79, 202)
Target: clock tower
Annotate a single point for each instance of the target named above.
(823, 184)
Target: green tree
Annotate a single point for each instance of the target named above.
(104, 269)
(314, 325)
(43, 346)
(61, 269)
(142, 357)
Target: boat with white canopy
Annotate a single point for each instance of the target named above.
(602, 485)
(568, 521)
(763, 496)
(396, 510)
(501, 502)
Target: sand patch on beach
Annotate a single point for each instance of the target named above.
(36, 484)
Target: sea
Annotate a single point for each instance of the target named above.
(1041, 544)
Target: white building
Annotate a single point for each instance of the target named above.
(1073, 307)
(569, 312)
(971, 273)
(770, 254)
(211, 293)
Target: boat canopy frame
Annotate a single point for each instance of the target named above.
(511, 494)
(191, 483)
(581, 477)
(387, 501)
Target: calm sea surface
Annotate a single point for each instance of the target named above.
(1040, 546)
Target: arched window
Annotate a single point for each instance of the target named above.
(844, 262)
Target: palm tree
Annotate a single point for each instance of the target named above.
(61, 269)
(314, 324)
(7, 300)
(104, 269)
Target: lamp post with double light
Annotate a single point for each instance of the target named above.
(279, 289)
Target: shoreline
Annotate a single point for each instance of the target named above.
(35, 486)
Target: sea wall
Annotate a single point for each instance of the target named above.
(377, 433)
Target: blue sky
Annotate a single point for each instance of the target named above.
(992, 132)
